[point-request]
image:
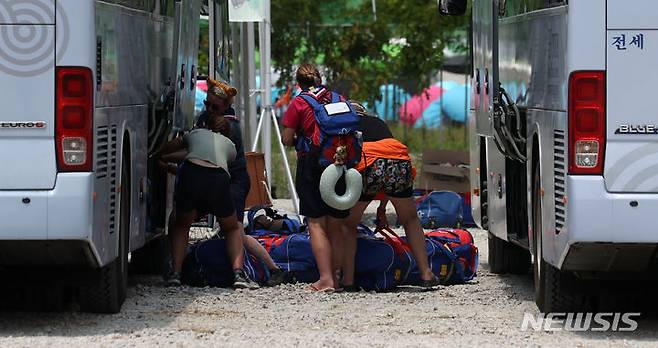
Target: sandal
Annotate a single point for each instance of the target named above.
(329, 290)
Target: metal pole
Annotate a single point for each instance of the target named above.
(260, 127)
(250, 77)
(286, 164)
(265, 86)
(466, 110)
(236, 75)
(211, 39)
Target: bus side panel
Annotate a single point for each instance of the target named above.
(476, 184)
(549, 127)
(533, 71)
(136, 55)
(496, 184)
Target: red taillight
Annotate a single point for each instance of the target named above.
(74, 120)
(586, 122)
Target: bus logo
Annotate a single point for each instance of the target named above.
(637, 129)
(23, 125)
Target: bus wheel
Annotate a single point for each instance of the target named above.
(107, 289)
(505, 257)
(554, 289)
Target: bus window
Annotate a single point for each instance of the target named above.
(142, 5)
(518, 7)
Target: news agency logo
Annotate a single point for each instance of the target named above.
(622, 322)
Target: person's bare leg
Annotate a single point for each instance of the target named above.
(254, 247)
(336, 233)
(179, 235)
(349, 241)
(234, 239)
(322, 253)
(405, 208)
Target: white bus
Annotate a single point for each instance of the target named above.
(564, 140)
(90, 90)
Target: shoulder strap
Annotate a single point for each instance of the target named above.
(335, 97)
(310, 100)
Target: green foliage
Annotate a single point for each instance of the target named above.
(203, 47)
(404, 45)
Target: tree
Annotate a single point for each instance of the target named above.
(403, 45)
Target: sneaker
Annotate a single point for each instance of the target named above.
(173, 280)
(277, 277)
(430, 284)
(241, 281)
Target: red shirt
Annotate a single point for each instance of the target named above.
(299, 115)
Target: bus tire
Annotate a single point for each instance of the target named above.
(554, 289)
(107, 289)
(505, 257)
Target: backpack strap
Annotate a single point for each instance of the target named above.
(314, 103)
(335, 97)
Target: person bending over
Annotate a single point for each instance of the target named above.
(203, 181)
(385, 167)
(219, 101)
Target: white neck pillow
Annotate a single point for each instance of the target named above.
(328, 182)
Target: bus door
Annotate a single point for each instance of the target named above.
(27, 82)
(186, 53)
(485, 74)
(496, 117)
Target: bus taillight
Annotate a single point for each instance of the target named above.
(586, 122)
(74, 122)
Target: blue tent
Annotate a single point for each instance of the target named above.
(453, 105)
(389, 94)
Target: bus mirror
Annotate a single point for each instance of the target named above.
(452, 7)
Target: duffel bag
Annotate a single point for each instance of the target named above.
(207, 264)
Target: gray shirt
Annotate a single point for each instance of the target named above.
(203, 144)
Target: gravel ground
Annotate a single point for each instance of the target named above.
(485, 312)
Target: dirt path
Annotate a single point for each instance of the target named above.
(486, 312)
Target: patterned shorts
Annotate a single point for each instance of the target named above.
(391, 176)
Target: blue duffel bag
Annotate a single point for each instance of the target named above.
(441, 209)
(207, 264)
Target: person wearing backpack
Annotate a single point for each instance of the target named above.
(386, 170)
(325, 223)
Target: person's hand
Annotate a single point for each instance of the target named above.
(168, 167)
(220, 125)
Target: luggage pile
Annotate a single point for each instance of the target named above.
(383, 259)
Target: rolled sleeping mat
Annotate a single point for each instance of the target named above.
(353, 183)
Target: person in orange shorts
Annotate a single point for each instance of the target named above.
(386, 169)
